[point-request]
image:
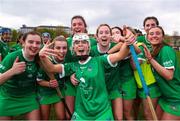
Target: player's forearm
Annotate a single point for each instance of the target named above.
(165, 73)
(121, 54)
(115, 48)
(6, 75)
(49, 67)
(43, 83)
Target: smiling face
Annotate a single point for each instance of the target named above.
(104, 35)
(45, 37)
(155, 36)
(150, 23)
(6, 36)
(78, 26)
(32, 46)
(61, 47)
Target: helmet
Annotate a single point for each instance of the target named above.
(80, 37)
(5, 34)
(46, 34)
(5, 30)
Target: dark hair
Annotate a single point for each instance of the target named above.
(25, 37)
(82, 18)
(151, 17)
(19, 37)
(31, 33)
(116, 27)
(101, 26)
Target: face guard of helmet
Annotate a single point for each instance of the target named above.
(81, 46)
(45, 37)
(6, 34)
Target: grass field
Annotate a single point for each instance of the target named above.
(178, 55)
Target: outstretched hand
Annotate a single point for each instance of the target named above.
(47, 50)
(118, 38)
(130, 35)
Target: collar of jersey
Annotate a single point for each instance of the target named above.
(83, 63)
(25, 57)
(101, 51)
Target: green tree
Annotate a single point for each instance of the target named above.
(14, 35)
(13, 38)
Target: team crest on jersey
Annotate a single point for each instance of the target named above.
(82, 80)
(168, 63)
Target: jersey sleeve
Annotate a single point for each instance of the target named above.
(106, 61)
(7, 63)
(67, 69)
(168, 57)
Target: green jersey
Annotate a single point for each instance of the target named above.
(4, 49)
(22, 84)
(111, 74)
(91, 96)
(143, 39)
(95, 50)
(45, 91)
(16, 47)
(170, 88)
(69, 56)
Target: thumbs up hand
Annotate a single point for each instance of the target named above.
(18, 67)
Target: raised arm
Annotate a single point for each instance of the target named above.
(164, 72)
(129, 38)
(121, 54)
(47, 65)
(115, 48)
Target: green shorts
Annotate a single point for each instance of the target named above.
(69, 89)
(128, 88)
(13, 106)
(107, 116)
(171, 108)
(114, 94)
(154, 91)
(49, 99)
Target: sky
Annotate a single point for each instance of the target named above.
(15, 13)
